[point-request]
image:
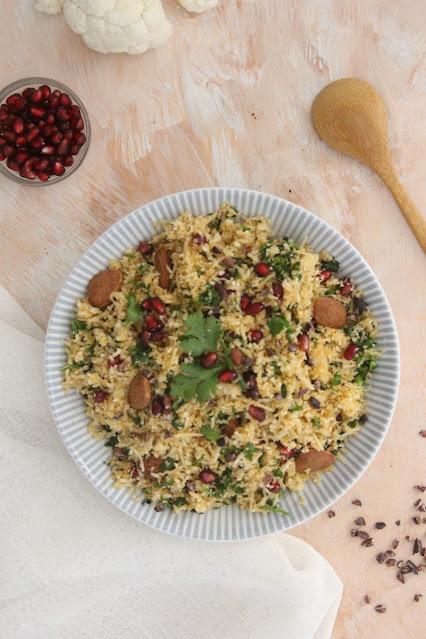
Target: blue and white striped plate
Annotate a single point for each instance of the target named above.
(228, 523)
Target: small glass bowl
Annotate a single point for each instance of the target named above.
(18, 87)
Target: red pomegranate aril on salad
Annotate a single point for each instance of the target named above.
(226, 377)
(286, 453)
(100, 396)
(145, 248)
(273, 485)
(254, 308)
(278, 290)
(245, 301)
(303, 342)
(158, 305)
(152, 323)
(257, 413)
(346, 288)
(255, 335)
(262, 269)
(207, 476)
(157, 406)
(325, 275)
(350, 351)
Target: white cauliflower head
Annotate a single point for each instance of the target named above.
(198, 6)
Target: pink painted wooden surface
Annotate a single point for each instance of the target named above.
(227, 102)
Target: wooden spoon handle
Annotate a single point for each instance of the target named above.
(407, 206)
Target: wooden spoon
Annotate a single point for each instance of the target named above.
(351, 117)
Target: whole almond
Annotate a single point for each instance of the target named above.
(329, 312)
(139, 395)
(314, 460)
(102, 285)
(163, 264)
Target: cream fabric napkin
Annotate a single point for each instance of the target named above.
(74, 567)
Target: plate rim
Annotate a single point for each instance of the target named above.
(396, 374)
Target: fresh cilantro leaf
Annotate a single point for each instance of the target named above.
(179, 501)
(316, 422)
(275, 367)
(167, 464)
(74, 366)
(274, 509)
(238, 490)
(283, 391)
(336, 379)
(277, 323)
(134, 311)
(210, 433)
(332, 290)
(278, 473)
(249, 450)
(201, 334)
(330, 265)
(195, 381)
(177, 424)
(353, 423)
(295, 408)
(140, 355)
(282, 262)
(112, 441)
(209, 297)
(78, 325)
(367, 365)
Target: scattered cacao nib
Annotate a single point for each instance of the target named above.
(380, 608)
(417, 503)
(416, 520)
(422, 433)
(390, 561)
(408, 538)
(421, 508)
(390, 553)
(363, 534)
(339, 418)
(380, 557)
(379, 525)
(399, 563)
(159, 508)
(421, 489)
(424, 520)
(331, 513)
(367, 599)
(355, 532)
(395, 544)
(398, 522)
(417, 596)
(367, 542)
(417, 547)
(412, 566)
(356, 502)
(360, 521)
(401, 577)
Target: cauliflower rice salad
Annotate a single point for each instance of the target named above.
(220, 364)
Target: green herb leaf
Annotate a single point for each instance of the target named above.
(210, 433)
(179, 501)
(201, 334)
(336, 379)
(332, 290)
(112, 441)
(353, 423)
(249, 450)
(274, 509)
(209, 297)
(74, 366)
(78, 325)
(140, 355)
(282, 262)
(195, 381)
(168, 464)
(134, 311)
(295, 408)
(277, 323)
(316, 422)
(278, 473)
(330, 265)
(177, 424)
(367, 366)
(283, 391)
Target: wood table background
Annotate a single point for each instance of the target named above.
(226, 102)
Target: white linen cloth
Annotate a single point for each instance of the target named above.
(72, 566)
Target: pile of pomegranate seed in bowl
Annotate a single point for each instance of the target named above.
(44, 131)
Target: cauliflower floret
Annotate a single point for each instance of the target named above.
(49, 6)
(198, 6)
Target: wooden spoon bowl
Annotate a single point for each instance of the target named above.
(351, 117)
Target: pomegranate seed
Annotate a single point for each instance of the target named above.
(134, 473)
(12, 165)
(15, 101)
(157, 406)
(63, 147)
(37, 142)
(4, 114)
(69, 160)
(75, 149)
(325, 275)
(152, 322)
(273, 485)
(18, 125)
(158, 336)
(145, 248)
(303, 342)
(38, 112)
(245, 301)
(2, 156)
(78, 124)
(208, 360)
(29, 126)
(278, 290)
(47, 150)
(286, 453)
(65, 100)
(115, 361)
(42, 165)
(75, 111)
(43, 176)
(2, 140)
(145, 337)
(64, 127)
(33, 133)
(198, 238)
(255, 308)
(350, 351)
(146, 304)
(27, 173)
(27, 93)
(158, 305)
(56, 93)
(237, 356)
(10, 136)
(56, 137)
(100, 396)
(346, 288)
(21, 157)
(62, 114)
(255, 335)
(79, 138)
(58, 168)
(8, 150)
(45, 90)
(226, 377)
(207, 476)
(21, 140)
(37, 96)
(257, 413)
(262, 269)
(68, 135)
(50, 119)
(53, 102)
